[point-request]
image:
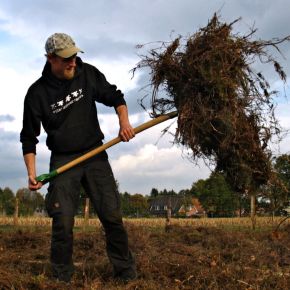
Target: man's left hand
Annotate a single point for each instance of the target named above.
(126, 132)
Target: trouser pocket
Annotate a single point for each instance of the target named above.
(63, 197)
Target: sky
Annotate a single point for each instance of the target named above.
(109, 32)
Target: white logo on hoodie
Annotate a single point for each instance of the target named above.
(67, 101)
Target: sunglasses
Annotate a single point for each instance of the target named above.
(67, 59)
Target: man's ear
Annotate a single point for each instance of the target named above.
(49, 57)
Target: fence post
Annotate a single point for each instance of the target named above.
(16, 211)
(87, 212)
(168, 215)
(253, 210)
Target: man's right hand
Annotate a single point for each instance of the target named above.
(33, 184)
(29, 159)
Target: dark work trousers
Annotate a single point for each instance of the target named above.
(62, 200)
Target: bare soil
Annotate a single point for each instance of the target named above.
(180, 257)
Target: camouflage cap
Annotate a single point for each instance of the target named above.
(62, 45)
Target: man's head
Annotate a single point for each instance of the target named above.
(62, 45)
(61, 54)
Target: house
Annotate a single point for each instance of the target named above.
(195, 209)
(40, 212)
(286, 210)
(179, 205)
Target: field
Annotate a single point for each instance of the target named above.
(189, 254)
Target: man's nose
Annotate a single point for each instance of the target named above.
(72, 62)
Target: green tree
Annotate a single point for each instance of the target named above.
(125, 204)
(134, 205)
(277, 191)
(163, 192)
(216, 196)
(167, 192)
(139, 204)
(29, 201)
(282, 167)
(197, 187)
(7, 199)
(154, 192)
(185, 192)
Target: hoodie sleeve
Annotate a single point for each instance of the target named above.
(107, 93)
(31, 124)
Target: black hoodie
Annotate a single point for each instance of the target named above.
(67, 110)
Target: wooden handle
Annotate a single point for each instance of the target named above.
(114, 141)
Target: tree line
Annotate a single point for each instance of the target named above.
(29, 201)
(215, 195)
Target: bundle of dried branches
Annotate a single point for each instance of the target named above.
(226, 109)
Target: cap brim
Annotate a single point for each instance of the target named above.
(68, 52)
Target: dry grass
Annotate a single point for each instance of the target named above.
(236, 222)
(192, 254)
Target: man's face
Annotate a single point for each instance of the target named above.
(62, 68)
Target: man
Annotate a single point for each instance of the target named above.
(64, 100)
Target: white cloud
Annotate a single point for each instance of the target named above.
(14, 85)
(117, 71)
(156, 167)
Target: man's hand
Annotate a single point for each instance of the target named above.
(30, 165)
(33, 184)
(126, 130)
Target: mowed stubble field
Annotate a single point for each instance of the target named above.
(190, 254)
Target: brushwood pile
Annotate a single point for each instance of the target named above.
(225, 107)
